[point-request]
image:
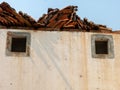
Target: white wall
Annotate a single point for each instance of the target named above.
(59, 61)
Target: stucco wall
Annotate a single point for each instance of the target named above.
(59, 61)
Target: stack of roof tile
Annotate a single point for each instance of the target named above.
(9, 17)
(64, 19)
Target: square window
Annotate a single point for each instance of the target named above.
(18, 44)
(101, 47)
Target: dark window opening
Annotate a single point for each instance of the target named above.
(18, 44)
(101, 47)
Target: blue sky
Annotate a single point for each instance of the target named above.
(104, 12)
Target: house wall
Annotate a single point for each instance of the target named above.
(59, 61)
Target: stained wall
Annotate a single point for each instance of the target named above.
(59, 60)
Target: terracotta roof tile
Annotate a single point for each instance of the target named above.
(68, 19)
(9, 17)
(65, 18)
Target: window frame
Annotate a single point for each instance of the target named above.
(11, 35)
(102, 37)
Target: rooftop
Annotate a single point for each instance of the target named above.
(65, 19)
